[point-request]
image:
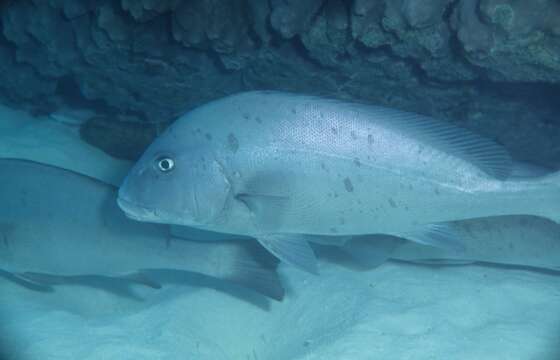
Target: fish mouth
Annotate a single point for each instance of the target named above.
(139, 212)
(136, 211)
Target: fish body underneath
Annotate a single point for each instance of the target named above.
(517, 240)
(63, 224)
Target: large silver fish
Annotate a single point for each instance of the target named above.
(288, 169)
(59, 223)
(517, 240)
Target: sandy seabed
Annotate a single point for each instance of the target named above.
(396, 311)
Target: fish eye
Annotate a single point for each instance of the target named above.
(165, 164)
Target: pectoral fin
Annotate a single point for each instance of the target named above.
(268, 195)
(291, 249)
(267, 210)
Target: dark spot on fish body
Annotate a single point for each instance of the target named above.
(392, 203)
(23, 198)
(294, 111)
(246, 116)
(333, 230)
(6, 230)
(168, 241)
(334, 131)
(357, 162)
(370, 139)
(258, 120)
(324, 167)
(233, 143)
(5, 241)
(208, 136)
(335, 195)
(342, 221)
(348, 185)
(436, 191)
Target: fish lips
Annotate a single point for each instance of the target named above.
(144, 213)
(137, 212)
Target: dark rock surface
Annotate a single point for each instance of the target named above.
(120, 138)
(490, 65)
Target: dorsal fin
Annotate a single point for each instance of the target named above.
(482, 152)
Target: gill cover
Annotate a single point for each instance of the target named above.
(210, 193)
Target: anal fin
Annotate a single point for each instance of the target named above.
(440, 235)
(291, 249)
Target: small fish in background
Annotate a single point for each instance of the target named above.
(56, 224)
(290, 169)
(527, 241)
(56, 141)
(517, 240)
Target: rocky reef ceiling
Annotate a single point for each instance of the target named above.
(489, 65)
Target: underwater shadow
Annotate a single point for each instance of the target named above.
(123, 287)
(168, 277)
(483, 264)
